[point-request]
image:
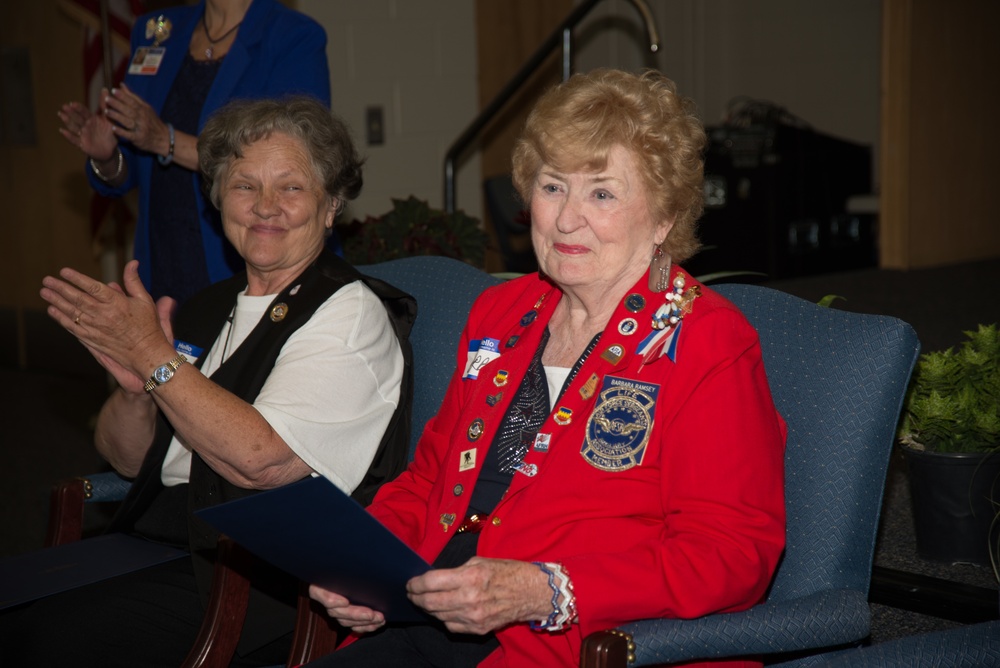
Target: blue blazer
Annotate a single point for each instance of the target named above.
(277, 51)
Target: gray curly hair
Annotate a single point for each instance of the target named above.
(326, 138)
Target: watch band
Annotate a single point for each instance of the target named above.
(173, 364)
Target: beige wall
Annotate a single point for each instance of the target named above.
(819, 59)
(417, 60)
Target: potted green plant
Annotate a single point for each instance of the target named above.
(411, 228)
(950, 437)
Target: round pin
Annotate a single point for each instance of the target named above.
(635, 302)
(458, 490)
(628, 326)
(279, 312)
(476, 429)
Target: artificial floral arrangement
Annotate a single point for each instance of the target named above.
(412, 227)
(953, 401)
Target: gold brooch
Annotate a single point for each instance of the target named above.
(279, 312)
(158, 29)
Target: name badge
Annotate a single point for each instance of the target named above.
(146, 60)
(481, 353)
(190, 351)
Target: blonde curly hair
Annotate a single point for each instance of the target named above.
(574, 126)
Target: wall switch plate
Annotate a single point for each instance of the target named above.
(375, 127)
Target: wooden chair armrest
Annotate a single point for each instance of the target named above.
(227, 609)
(66, 512)
(606, 649)
(316, 634)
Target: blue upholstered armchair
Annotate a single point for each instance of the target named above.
(444, 289)
(972, 646)
(838, 379)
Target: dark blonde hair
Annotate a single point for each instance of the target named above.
(574, 126)
(326, 139)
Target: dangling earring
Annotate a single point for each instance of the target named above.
(659, 271)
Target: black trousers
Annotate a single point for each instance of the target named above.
(416, 646)
(148, 618)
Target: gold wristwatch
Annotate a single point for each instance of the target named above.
(163, 373)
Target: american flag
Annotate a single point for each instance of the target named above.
(121, 16)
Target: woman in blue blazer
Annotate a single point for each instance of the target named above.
(187, 62)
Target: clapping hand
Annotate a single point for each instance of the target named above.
(91, 133)
(119, 324)
(136, 121)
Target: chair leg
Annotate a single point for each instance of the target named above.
(606, 649)
(227, 609)
(315, 633)
(66, 512)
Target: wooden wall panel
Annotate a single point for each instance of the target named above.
(45, 225)
(508, 34)
(894, 211)
(940, 144)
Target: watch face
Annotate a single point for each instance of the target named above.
(163, 374)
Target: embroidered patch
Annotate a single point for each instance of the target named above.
(618, 430)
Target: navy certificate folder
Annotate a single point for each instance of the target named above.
(51, 570)
(322, 536)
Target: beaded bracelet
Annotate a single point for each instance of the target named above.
(118, 171)
(563, 599)
(169, 157)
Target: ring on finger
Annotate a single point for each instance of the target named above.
(76, 320)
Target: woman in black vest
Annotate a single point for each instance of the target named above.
(289, 369)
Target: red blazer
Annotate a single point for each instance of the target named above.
(689, 524)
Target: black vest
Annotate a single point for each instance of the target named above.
(199, 322)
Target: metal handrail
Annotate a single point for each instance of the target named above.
(563, 35)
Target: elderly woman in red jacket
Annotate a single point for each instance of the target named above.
(607, 449)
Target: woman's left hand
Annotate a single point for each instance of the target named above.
(121, 326)
(483, 595)
(136, 121)
(91, 133)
